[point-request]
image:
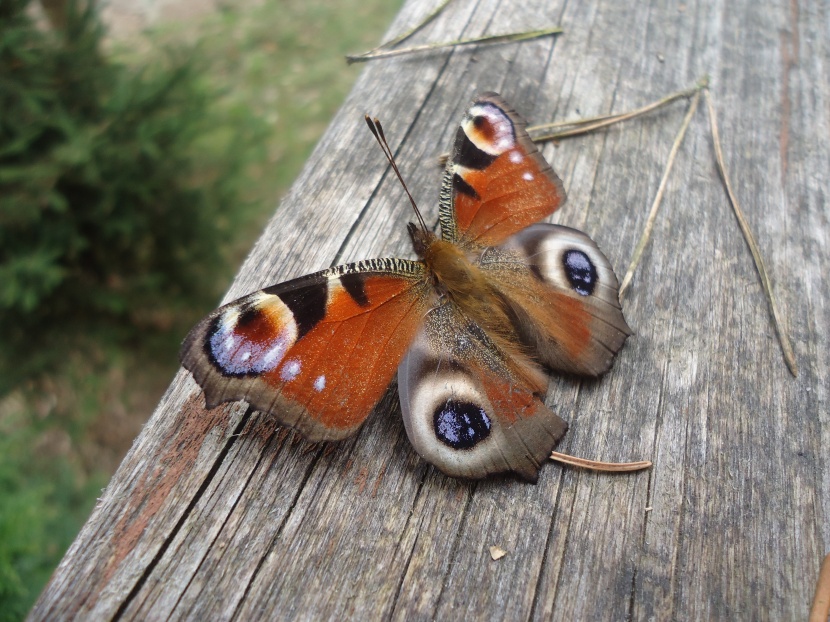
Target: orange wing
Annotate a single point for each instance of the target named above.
(496, 182)
(317, 352)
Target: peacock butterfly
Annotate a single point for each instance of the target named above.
(469, 326)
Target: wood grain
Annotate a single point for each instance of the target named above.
(220, 515)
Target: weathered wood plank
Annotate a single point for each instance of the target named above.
(219, 515)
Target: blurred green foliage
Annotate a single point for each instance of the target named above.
(103, 215)
(119, 189)
(41, 508)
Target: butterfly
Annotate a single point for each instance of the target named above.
(470, 327)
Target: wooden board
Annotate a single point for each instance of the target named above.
(217, 515)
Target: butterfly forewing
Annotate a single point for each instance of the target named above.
(495, 182)
(317, 352)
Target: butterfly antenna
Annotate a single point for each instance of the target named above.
(377, 131)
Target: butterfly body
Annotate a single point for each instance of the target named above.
(469, 327)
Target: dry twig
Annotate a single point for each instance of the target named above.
(590, 124)
(513, 37)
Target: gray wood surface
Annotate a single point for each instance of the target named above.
(216, 515)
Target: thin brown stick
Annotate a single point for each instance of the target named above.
(584, 126)
(646, 235)
(589, 124)
(595, 465)
(787, 350)
(512, 37)
(820, 610)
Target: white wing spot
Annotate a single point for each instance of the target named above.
(528, 176)
(320, 383)
(246, 355)
(291, 370)
(516, 157)
(229, 341)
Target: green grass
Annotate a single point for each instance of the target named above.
(63, 434)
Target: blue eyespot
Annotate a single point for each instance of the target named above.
(580, 271)
(461, 425)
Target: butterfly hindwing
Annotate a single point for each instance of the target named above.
(564, 296)
(495, 182)
(463, 408)
(317, 352)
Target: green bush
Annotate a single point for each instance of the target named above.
(117, 187)
(120, 198)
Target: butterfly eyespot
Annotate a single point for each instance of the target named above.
(490, 129)
(580, 271)
(243, 343)
(461, 425)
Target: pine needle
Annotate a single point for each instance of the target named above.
(513, 37)
(576, 127)
(540, 133)
(595, 465)
(646, 235)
